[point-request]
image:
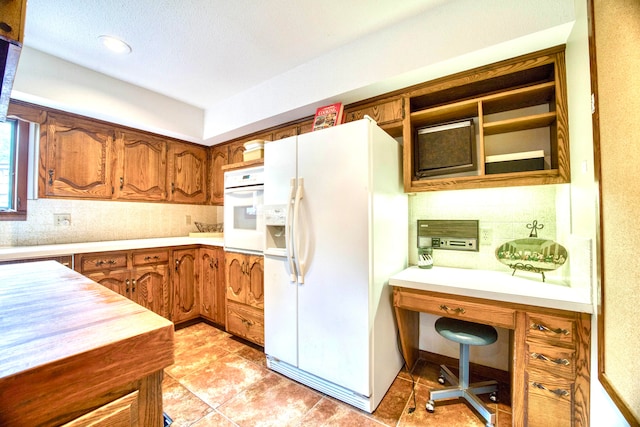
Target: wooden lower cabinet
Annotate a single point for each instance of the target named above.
(212, 287)
(142, 276)
(185, 285)
(557, 370)
(244, 278)
(120, 412)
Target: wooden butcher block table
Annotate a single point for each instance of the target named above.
(74, 353)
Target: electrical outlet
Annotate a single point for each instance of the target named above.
(62, 220)
(486, 236)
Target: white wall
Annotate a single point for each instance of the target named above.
(93, 221)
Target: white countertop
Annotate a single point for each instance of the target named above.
(497, 286)
(24, 252)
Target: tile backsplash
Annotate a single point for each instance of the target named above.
(504, 211)
(103, 220)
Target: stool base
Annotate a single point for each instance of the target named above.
(468, 392)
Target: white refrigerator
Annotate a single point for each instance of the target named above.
(336, 230)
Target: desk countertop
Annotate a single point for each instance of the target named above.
(25, 252)
(495, 285)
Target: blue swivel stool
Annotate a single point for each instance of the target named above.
(466, 334)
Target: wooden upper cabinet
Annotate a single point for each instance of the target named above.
(12, 14)
(219, 156)
(236, 152)
(384, 112)
(75, 159)
(187, 173)
(141, 169)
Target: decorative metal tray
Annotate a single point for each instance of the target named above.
(532, 254)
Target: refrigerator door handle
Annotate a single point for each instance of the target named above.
(288, 235)
(296, 231)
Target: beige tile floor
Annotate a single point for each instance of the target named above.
(219, 380)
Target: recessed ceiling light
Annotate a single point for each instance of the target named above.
(114, 44)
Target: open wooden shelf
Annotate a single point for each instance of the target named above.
(525, 93)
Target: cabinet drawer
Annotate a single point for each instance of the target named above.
(246, 322)
(465, 310)
(104, 261)
(549, 400)
(551, 329)
(554, 360)
(150, 257)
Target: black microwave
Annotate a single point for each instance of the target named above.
(445, 149)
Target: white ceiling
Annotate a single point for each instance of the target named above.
(203, 51)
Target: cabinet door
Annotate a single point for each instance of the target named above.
(255, 277)
(77, 159)
(235, 278)
(141, 170)
(120, 412)
(185, 285)
(12, 13)
(236, 152)
(187, 173)
(149, 287)
(118, 281)
(212, 287)
(219, 158)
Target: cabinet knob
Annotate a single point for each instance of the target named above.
(121, 183)
(50, 176)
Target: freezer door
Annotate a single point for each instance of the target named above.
(279, 170)
(334, 246)
(280, 311)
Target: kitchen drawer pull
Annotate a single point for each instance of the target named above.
(50, 176)
(558, 392)
(543, 328)
(127, 283)
(247, 322)
(558, 361)
(458, 310)
(149, 258)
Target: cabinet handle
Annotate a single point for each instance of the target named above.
(99, 263)
(177, 264)
(558, 361)
(247, 322)
(543, 328)
(173, 187)
(50, 176)
(215, 263)
(127, 283)
(112, 261)
(133, 287)
(458, 310)
(6, 27)
(121, 183)
(147, 258)
(558, 392)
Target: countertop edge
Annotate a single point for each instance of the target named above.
(567, 298)
(9, 253)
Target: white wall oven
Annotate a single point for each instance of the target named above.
(243, 216)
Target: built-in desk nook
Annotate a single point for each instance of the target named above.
(550, 333)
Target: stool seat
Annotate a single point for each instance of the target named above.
(464, 332)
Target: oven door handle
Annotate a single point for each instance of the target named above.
(244, 190)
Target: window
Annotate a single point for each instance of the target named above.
(14, 149)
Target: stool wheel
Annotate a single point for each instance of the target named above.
(493, 397)
(441, 379)
(431, 406)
